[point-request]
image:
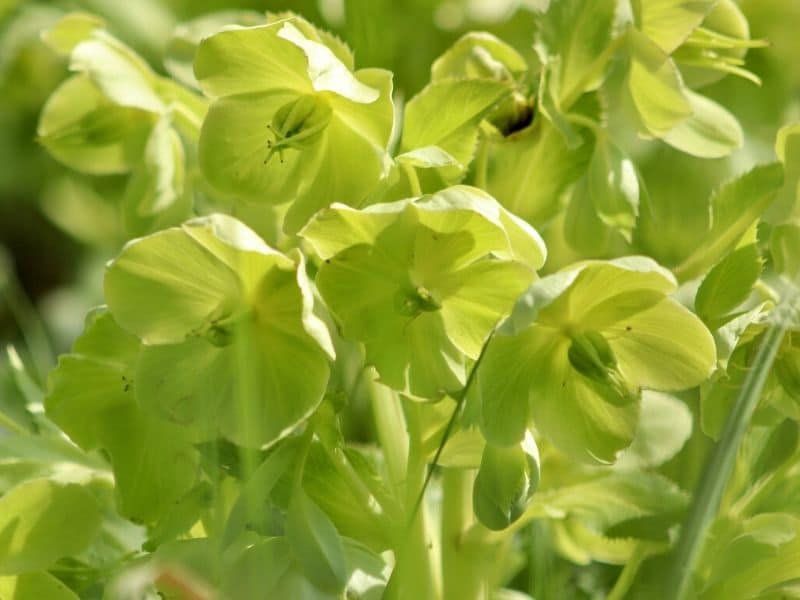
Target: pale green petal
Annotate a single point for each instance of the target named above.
(710, 132)
(665, 347)
(476, 297)
(604, 292)
(233, 151)
(84, 130)
(180, 281)
(326, 72)
(252, 59)
(349, 168)
(185, 384)
(372, 121)
(656, 87)
(505, 378)
(338, 227)
(584, 420)
(186, 37)
(115, 69)
(669, 22)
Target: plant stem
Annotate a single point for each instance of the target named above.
(461, 576)
(718, 469)
(413, 179)
(390, 425)
(628, 574)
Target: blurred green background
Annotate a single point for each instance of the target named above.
(57, 228)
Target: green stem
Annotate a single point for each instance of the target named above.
(390, 425)
(628, 574)
(413, 179)
(482, 164)
(11, 425)
(419, 573)
(30, 325)
(708, 495)
(461, 576)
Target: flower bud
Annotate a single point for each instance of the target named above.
(298, 124)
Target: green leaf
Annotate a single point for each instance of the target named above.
(34, 586)
(84, 130)
(734, 208)
(710, 132)
(433, 119)
(261, 569)
(655, 85)
(478, 55)
(42, 521)
(784, 247)
(506, 480)
(669, 22)
(316, 543)
(729, 283)
(765, 554)
(608, 501)
(786, 207)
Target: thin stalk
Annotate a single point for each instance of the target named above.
(482, 163)
(413, 179)
(12, 425)
(390, 425)
(717, 472)
(30, 325)
(451, 423)
(417, 548)
(628, 574)
(461, 576)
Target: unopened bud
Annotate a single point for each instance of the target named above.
(298, 124)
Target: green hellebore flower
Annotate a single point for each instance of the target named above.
(577, 349)
(422, 282)
(230, 343)
(117, 116)
(283, 87)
